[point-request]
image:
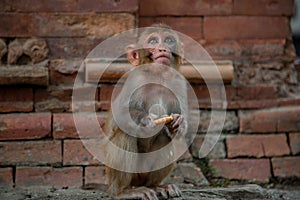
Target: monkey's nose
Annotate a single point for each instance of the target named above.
(162, 50)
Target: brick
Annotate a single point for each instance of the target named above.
(182, 24)
(25, 126)
(289, 119)
(218, 150)
(263, 7)
(248, 73)
(64, 71)
(6, 177)
(48, 176)
(192, 174)
(26, 24)
(246, 49)
(230, 123)
(82, 152)
(64, 126)
(258, 121)
(59, 98)
(108, 6)
(105, 96)
(294, 139)
(37, 6)
(71, 47)
(286, 167)
(77, 25)
(270, 120)
(31, 153)
(179, 8)
(243, 169)
(65, 24)
(256, 92)
(257, 146)
(16, 99)
(95, 174)
(257, 27)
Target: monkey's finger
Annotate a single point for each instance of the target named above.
(162, 192)
(177, 121)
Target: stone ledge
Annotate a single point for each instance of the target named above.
(105, 71)
(24, 75)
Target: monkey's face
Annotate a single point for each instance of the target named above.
(160, 47)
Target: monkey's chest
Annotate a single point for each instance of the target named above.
(160, 100)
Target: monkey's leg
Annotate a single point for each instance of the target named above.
(165, 191)
(117, 181)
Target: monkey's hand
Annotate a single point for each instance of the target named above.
(178, 126)
(148, 121)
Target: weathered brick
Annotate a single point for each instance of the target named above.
(59, 98)
(38, 6)
(25, 126)
(230, 123)
(218, 150)
(246, 49)
(72, 47)
(258, 121)
(177, 7)
(26, 24)
(105, 96)
(84, 24)
(182, 24)
(286, 167)
(95, 174)
(257, 146)
(6, 177)
(31, 153)
(270, 120)
(16, 99)
(294, 139)
(242, 169)
(252, 104)
(263, 103)
(249, 73)
(289, 119)
(192, 174)
(64, 71)
(252, 92)
(64, 125)
(65, 24)
(263, 7)
(82, 152)
(108, 6)
(233, 27)
(48, 176)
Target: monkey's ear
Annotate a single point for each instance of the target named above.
(133, 55)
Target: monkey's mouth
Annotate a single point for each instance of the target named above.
(162, 59)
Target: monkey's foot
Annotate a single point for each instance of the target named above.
(168, 191)
(141, 193)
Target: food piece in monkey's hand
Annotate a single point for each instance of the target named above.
(164, 120)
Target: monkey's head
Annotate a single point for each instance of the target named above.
(157, 44)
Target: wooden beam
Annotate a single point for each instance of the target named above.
(206, 71)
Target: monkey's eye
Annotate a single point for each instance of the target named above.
(153, 41)
(170, 40)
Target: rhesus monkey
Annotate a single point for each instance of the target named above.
(157, 51)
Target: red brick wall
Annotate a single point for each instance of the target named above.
(39, 144)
